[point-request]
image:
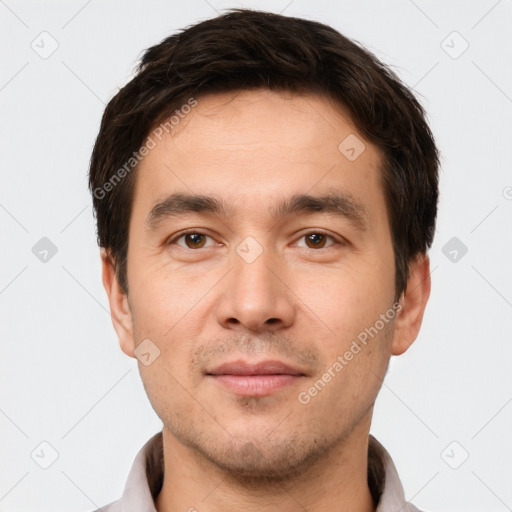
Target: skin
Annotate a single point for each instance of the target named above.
(296, 302)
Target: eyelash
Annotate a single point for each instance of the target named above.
(195, 232)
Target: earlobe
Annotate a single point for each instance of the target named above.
(120, 311)
(413, 302)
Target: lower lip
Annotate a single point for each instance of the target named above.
(255, 385)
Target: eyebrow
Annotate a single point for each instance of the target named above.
(338, 203)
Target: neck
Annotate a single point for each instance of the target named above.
(338, 482)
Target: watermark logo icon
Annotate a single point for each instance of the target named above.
(44, 250)
(351, 147)
(454, 249)
(45, 45)
(147, 352)
(44, 455)
(455, 455)
(249, 249)
(454, 45)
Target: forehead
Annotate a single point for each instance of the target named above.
(251, 146)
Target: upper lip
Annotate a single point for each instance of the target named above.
(241, 367)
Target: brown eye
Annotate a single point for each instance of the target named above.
(194, 240)
(316, 240)
(191, 240)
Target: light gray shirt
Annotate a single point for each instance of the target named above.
(146, 477)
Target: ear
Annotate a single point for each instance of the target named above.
(413, 302)
(119, 307)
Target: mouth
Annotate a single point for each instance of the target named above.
(250, 379)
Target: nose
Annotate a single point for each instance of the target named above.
(256, 297)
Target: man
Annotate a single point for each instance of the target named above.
(266, 193)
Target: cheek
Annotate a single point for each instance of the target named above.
(173, 312)
(351, 380)
(168, 391)
(355, 342)
(163, 300)
(344, 302)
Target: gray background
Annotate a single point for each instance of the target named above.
(63, 379)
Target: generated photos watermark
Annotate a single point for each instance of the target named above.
(150, 143)
(356, 347)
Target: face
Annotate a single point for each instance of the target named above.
(287, 260)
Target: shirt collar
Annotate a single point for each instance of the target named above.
(146, 476)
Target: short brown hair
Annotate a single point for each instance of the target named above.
(248, 49)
